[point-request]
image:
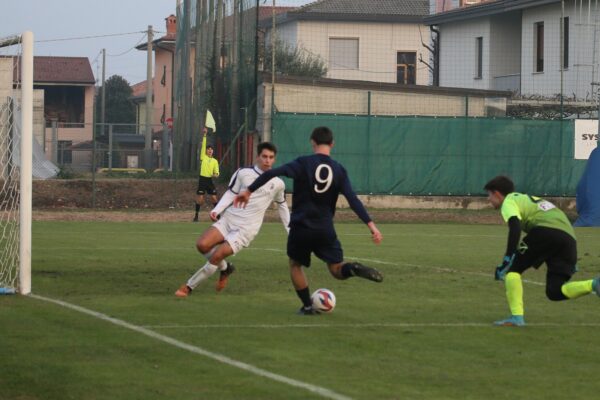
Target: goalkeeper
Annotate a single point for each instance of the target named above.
(550, 238)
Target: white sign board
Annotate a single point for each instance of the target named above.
(586, 137)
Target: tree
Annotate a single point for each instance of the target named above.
(294, 61)
(119, 107)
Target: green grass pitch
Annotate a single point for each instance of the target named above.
(424, 333)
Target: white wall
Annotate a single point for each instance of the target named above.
(458, 59)
(378, 45)
(578, 76)
(6, 77)
(287, 33)
(315, 98)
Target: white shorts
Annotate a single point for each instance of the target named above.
(235, 233)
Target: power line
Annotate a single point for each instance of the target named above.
(131, 48)
(89, 37)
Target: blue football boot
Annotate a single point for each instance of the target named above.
(513, 320)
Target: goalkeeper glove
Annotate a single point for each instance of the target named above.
(502, 269)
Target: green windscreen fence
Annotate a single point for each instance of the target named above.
(440, 156)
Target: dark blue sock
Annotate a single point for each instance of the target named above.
(304, 295)
(347, 270)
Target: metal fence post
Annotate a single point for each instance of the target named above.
(164, 148)
(94, 167)
(54, 141)
(110, 147)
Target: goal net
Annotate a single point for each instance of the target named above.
(16, 123)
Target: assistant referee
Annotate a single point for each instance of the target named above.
(209, 168)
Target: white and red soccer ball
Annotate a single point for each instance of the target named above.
(323, 300)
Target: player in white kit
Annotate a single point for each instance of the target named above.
(237, 227)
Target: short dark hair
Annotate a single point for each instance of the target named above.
(322, 135)
(266, 145)
(209, 147)
(502, 184)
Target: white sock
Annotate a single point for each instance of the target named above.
(202, 274)
(222, 265)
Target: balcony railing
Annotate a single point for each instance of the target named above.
(510, 82)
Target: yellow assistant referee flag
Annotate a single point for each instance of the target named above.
(210, 122)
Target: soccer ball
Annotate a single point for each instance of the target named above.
(323, 300)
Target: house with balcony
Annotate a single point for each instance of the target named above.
(534, 48)
(378, 41)
(68, 87)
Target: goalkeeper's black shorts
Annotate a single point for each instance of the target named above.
(554, 247)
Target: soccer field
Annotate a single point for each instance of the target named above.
(117, 331)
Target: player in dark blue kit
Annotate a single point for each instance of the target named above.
(318, 181)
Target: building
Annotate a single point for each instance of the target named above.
(516, 45)
(379, 41)
(438, 6)
(162, 81)
(68, 85)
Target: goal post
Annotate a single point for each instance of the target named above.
(16, 136)
(26, 155)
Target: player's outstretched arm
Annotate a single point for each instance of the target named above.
(223, 203)
(376, 236)
(284, 215)
(241, 200)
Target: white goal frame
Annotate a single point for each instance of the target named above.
(25, 189)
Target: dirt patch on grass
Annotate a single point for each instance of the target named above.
(114, 194)
(172, 200)
(379, 216)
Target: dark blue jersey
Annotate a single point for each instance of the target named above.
(318, 181)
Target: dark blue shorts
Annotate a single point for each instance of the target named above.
(324, 243)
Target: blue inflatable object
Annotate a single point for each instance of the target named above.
(588, 192)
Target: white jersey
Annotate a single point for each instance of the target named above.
(252, 216)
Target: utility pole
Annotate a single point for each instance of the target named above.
(148, 136)
(94, 131)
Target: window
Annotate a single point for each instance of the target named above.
(406, 71)
(538, 41)
(343, 53)
(65, 154)
(565, 60)
(479, 57)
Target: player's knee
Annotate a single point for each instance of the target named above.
(336, 271)
(554, 293)
(216, 258)
(202, 246)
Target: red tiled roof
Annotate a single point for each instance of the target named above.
(138, 89)
(265, 12)
(74, 70)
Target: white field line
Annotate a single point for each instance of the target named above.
(321, 391)
(431, 267)
(195, 234)
(371, 260)
(365, 325)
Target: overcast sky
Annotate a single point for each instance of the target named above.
(57, 19)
